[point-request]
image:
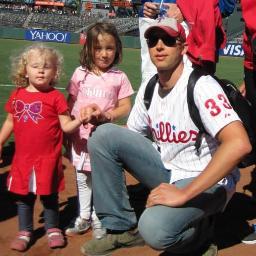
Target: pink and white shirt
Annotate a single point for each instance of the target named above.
(175, 133)
(105, 90)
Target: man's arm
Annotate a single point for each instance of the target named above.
(234, 145)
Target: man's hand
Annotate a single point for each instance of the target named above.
(166, 194)
(173, 11)
(150, 10)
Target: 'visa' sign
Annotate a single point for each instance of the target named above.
(49, 36)
(235, 50)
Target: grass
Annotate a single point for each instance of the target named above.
(229, 67)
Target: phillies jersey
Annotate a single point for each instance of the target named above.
(174, 133)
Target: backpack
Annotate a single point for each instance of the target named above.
(239, 103)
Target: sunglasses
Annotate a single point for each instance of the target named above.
(167, 40)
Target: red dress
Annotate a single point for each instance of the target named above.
(38, 141)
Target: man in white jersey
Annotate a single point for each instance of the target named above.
(187, 188)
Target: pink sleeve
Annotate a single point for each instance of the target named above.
(126, 89)
(73, 84)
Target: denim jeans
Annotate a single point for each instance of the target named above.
(26, 209)
(113, 149)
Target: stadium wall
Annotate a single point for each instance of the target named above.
(56, 36)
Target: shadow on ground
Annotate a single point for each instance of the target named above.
(8, 207)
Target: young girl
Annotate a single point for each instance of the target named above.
(96, 81)
(37, 115)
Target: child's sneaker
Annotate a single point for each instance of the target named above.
(97, 230)
(78, 227)
(21, 242)
(55, 238)
(250, 239)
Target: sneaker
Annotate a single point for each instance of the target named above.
(22, 241)
(55, 238)
(212, 250)
(250, 239)
(112, 242)
(78, 227)
(97, 230)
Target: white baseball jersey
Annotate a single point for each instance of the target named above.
(173, 130)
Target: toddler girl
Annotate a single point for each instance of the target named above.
(37, 115)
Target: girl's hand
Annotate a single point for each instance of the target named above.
(90, 113)
(166, 194)
(150, 10)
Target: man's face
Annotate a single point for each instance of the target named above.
(165, 52)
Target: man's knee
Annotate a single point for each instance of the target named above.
(99, 135)
(155, 233)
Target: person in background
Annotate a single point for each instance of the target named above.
(97, 82)
(148, 69)
(187, 188)
(37, 115)
(206, 33)
(249, 87)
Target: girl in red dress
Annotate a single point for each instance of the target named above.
(37, 116)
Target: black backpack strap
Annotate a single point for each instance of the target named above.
(193, 110)
(150, 90)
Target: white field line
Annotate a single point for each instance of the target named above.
(11, 85)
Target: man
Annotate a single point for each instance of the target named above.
(187, 188)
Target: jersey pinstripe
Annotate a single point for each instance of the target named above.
(173, 130)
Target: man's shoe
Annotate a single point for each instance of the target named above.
(111, 242)
(250, 239)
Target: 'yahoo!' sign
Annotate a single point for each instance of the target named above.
(47, 36)
(232, 49)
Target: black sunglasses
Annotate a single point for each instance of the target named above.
(167, 40)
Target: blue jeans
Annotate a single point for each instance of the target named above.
(113, 149)
(26, 210)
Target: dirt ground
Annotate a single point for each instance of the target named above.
(231, 226)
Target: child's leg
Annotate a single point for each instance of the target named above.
(25, 205)
(84, 193)
(51, 219)
(97, 230)
(51, 210)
